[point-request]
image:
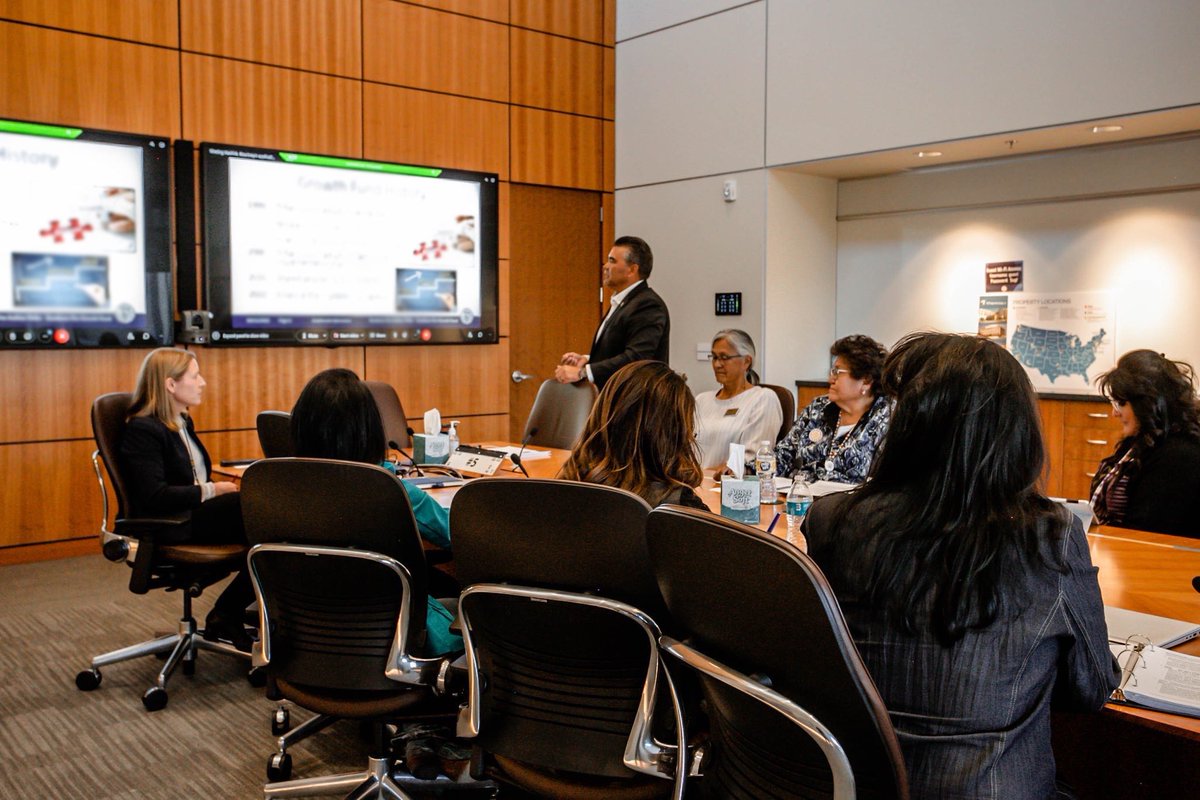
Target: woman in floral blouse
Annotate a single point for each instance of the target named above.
(835, 438)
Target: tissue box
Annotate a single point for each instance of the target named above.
(433, 449)
(739, 499)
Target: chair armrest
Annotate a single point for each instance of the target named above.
(143, 530)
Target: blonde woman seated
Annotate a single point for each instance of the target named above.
(740, 411)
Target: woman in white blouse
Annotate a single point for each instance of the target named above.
(740, 411)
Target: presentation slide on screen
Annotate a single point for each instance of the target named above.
(70, 217)
(348, 246)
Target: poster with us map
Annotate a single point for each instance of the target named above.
(1063, 339)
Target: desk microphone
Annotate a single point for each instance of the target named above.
(405, 453)
(516, 457)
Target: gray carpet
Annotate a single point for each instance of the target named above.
(211, 741)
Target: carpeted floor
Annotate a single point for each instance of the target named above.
(211, 741)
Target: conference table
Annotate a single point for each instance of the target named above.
(1147, 572)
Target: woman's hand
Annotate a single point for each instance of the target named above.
(224, 487)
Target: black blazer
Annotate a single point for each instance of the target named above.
(1164, 495)
(640, 329)
(157, 469)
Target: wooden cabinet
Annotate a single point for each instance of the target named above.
(1089, 433)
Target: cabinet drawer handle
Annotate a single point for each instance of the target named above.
(1095, 415)
(1089, 474)
(1096, 441)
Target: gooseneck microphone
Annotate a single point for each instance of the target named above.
(406, 454)
(516, 457)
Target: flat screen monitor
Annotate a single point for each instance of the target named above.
(85, 238)
(310, 249)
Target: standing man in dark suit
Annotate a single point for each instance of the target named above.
(637, 326)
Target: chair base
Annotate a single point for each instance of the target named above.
(380, 780)
(180, 647)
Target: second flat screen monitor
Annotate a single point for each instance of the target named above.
(310, 249)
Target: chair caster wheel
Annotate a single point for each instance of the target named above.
(88, 679)
(257, 677)
(155, 699)
(281, 722)
(189, 667)
(279, 767)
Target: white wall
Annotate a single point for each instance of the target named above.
(702, 245)
(801, 277)
(846, 78)
(639, 17)
(689, 99)
(907, 271)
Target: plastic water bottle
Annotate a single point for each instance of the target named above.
(798, 501)
(764, 464)
(453, 436)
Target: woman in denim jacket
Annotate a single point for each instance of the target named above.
(972, 598)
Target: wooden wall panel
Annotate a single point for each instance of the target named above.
(238, 103)
(556, 73)
(47, 394)
(424, 128)
(69, 79)
(610, 22)
(556, 149)
(231, 445)
(423, 48)
(502, 245)
(318, 35)
(475, 429)
(245, 380)
(150, 21)
(610, 83)
(458, 380)
(564, 17)
(488, 9)
(505, 289)
(57, 496)
(608, 227)
(610, 160)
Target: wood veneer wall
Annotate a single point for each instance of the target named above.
(523, 88)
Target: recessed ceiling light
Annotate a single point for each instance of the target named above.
(928, 153)
(1107, 128)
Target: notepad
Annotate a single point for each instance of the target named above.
(1154, 677)
(529, 455)
(1124, 625)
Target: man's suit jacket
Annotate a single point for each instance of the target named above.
(639, 329)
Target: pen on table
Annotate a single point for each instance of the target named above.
(775, 519)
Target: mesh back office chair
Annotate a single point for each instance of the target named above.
(188, 568)
(275, 434)
(750, 604)
(559, 623)
(391, 411)
(787, 402)
(338, 569)
(559, 413)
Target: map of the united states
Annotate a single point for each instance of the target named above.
(1054, 353)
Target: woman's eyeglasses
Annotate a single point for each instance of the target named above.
(835, 371)
(721, 358)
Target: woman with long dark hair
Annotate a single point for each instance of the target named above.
(1152, 480)
(972, 597)
(641, 437)
(336, 417)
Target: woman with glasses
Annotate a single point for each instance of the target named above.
(741, 410)
(1151, 482)
(835, 438)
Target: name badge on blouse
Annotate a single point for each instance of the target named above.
(731, 412)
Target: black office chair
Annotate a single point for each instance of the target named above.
(559, 413)
(787, 402)
(792, 710)
(391, 411)
(338, 569)
(565, 694)
(275, 434)
(188, 568)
